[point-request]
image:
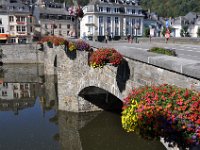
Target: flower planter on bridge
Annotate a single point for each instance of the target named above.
(103, 56)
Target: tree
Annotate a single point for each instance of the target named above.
(146, 32)
(184, 32)
(198, 32)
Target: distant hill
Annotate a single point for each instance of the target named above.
(171, 8)
(164, 8)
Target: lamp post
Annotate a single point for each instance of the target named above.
(137, 26)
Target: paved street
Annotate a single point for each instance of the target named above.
(188, 51)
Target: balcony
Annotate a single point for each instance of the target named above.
(20, 22)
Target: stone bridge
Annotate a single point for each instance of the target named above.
(76, 79)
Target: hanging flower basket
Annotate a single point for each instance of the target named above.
(103, 56)
(76, 11)
(82, 45)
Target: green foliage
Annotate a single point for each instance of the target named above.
(198, 32)
(159, 50)
(69, 2)
(184, 32)
(171, 8)
(146, 32)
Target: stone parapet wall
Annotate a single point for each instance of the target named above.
(22, 53)
(74, 75)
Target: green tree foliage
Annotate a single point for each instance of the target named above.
(198, 32)
(184, 32)
(146, 32)
(171, 8)
(69, 2)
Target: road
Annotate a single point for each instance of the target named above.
(187, 51)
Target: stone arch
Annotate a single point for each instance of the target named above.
(100, 98)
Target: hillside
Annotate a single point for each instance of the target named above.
(164, 8)
(171, 8)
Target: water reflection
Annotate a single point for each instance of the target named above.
(36, 124)
(98, 131)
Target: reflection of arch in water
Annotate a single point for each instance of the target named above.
(101, 98)
(105, 133)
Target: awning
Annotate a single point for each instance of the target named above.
(4, 36)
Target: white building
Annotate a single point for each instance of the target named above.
(17, 22)
(4, 28)
(54, 19)
(115, 18)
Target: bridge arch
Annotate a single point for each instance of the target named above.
(101, 98)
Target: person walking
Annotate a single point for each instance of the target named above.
(129, 38)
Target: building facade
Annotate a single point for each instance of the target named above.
(115, 18)
(16, 22)
(54, 19)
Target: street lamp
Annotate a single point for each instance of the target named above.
(137, 26)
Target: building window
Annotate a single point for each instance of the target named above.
(108, 20)
(12, 40)
(127, 31)
(31, 20)
(116, 20)
(11, 18)
(100, 9)
(100, 19)
(90, 19)
(16, 95)
(133, 11)
(127, 22)
(90, 30)
(133, 22)
(116, 31)
(0, 20)
(31, 29)
(109, 30)
(5, 84)
(26, 86)
(23, 28)
(2, 30)
(4, 93)
(12, 28)
(116, 10)
(60, 32)
(100, 30)
(68, 26)
(108, 9)
(18, 28)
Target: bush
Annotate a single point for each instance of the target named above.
(170, 52)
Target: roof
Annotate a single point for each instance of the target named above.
(56, 11)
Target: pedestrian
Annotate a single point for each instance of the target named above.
(106, 38)
(167, 35)
(132, 38)
(129, 38)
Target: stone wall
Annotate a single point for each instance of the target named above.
(74, 75)
(22, 53)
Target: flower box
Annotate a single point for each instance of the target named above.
(103, 56)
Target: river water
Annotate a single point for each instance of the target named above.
(30, 120)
